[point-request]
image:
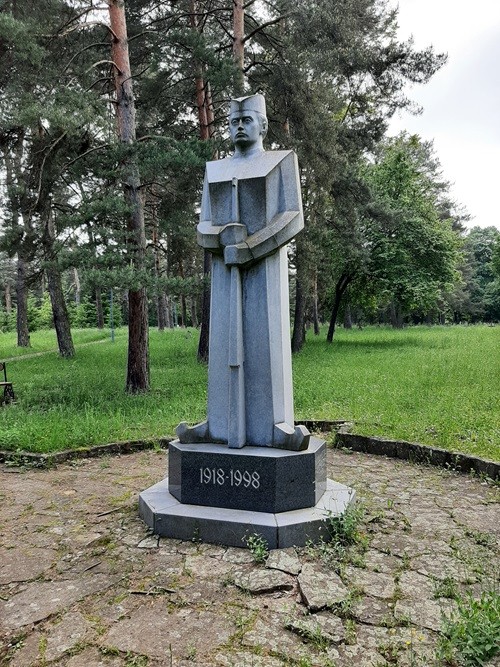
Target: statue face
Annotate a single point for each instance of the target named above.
(246, 128)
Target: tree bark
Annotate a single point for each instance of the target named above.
(316, 324)
(98, 308)
(183, 311)
(239, 46)
(206, 122)
(60, 313)
(138, 340)
(340, 288)
(347, 317)
(23, 336)
(194, 313)
(396, 316)
(54, 284)
(205, 310)
(299, 323)
(8, 298)
(161, 311)
(78, 288)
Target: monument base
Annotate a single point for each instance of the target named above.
(259, 479)
(168, 517)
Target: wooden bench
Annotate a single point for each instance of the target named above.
(8, 391)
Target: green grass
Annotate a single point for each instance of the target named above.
(79, 402)
(45, 341)
(436, 385)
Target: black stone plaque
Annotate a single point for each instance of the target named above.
(260, 479)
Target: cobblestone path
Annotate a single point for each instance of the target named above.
(83, 584)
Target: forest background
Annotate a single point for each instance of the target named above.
(109, 112)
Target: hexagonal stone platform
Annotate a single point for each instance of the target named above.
(168, 517)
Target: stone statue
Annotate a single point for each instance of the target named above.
(251, 209)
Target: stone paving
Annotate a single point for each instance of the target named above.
(83, 584)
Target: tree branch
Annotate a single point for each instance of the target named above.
(265, 25)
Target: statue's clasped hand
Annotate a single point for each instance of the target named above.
(233, 240)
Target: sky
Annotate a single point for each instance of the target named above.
(462, 101)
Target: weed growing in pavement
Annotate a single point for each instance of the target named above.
(312, 636)
(350, 631)
(471, 635)
(446, 588)
(342, 533)
(258, 547)
(344, 529)
(482, 539)
(136, 660)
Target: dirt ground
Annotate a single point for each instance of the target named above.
(83, 583)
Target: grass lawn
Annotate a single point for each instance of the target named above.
(45, 341)
(435, 385)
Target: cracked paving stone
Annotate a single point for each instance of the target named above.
(482, 518)
(373, 637)
(321, 589)
(152, 630)
(263, 581)
(150, 542)
(269, 635)
(426, 614)
(416, 586)
(372, 611)
(23, 564)
(91, 657)
(238, 556)
(42, 599)
(204, 567)
(412, 545)
(381, 562)
(375, 584)
(59, 638)
(348, 656)
(243, 659)
(285, 560)
(439, 566)
(322, 626)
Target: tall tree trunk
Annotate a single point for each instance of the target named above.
(315, 306)
(8, 298)
(78, 287)
(161, 308)
(138, 339)
(239, 46)
(194, 313)
(14, 182)
(98, 308)
(183, 311)
(206, 123)
(168, 312)
(161, 315)
(54, 284)
(299, 323)
(60, 313)
(205, 310)
(340, 288)
(23, 336)
(347, 317)
(396, 315)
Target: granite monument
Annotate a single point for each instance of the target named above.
(247, 468)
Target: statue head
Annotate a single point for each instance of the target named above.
(248, 123)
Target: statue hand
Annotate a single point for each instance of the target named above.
(237, 255)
